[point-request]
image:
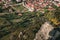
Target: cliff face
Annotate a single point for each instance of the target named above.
(48, 32)
(43, 33)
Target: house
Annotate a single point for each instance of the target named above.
(38, 4)
(18, 0)
(0, 0)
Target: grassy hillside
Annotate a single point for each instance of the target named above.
(11, 24)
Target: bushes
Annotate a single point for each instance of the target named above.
(30, 21)
(52, 17)
(1, 10)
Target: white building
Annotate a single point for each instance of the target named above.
(18, 0)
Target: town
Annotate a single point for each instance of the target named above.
(35, 5)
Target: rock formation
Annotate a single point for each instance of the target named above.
(43, 33)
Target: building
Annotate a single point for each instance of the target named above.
(19, 0)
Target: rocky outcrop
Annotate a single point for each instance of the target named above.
(43, 33)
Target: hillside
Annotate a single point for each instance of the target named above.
(17, 23)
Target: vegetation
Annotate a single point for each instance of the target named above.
(29, 23)
(53, 16)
